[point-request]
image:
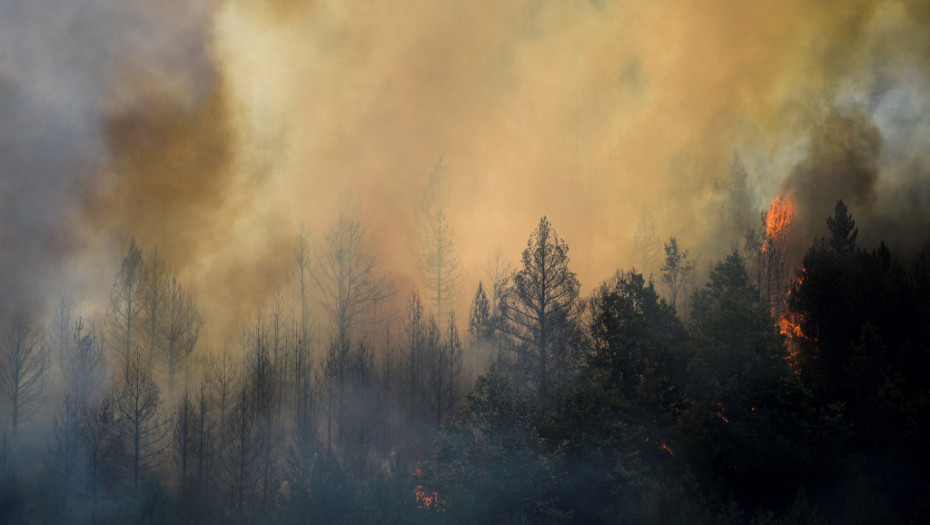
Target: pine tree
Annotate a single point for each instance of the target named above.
(843, 229)
(540, 310)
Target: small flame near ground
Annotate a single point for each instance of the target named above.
(427, 499)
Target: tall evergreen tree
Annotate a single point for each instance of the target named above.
(842, 229)
(439, 267)
(540, 310)
(479, 322)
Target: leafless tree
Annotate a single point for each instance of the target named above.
(225, 377)
(439, 268)
(347, 278)
(299, 359)
(81, 437)
(349, 286)
(125, 313)
(445, 368)
(184, 439)
(143, 425)
(23, 364)
(58, 335)
(265, 391)
(242, 450)
(205, 433)
(416, 348)
(156, 290)
(182, 324)
(302, 256)
(497, 270)
(102, 444)
(83, 367)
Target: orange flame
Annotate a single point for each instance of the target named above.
(777, 224)
(427, 499)
(664, 447)
(789, 325)
(778, 219)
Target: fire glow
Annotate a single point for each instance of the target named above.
(777, 226)
(427, 499)
(778, 219)
(789, 325)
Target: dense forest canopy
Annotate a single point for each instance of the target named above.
(524, 261)
(808, 403)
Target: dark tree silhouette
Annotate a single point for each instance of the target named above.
(676, 270)
(144, 427)
(242, 452)
(58, 335)
(843, 229)
(181, 330)
(439, 268)
(349, 286)
(635, 340)
(153, 298)
(125, 314)
(540, 309)
(479, 323)
(23, 364)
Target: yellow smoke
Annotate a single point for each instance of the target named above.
(583, 111)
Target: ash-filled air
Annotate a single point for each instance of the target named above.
(218, 131)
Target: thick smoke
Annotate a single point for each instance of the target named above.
(864, 136)
(65, 67)
(37, 162)
(216, 130)
(118, 125)
(581, 111)
(842, 162)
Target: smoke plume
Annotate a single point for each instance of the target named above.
(216, 131)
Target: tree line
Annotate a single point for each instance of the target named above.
(758, 397)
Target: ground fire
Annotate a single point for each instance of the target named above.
(427, 499)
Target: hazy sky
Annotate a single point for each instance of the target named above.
(216, 130)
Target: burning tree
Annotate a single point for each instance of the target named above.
(774, 271)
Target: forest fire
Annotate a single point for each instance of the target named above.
(777, 225)
(427, 499)
(789, 325)
(778, 219)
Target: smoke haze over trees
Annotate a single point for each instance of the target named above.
(525, 261)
